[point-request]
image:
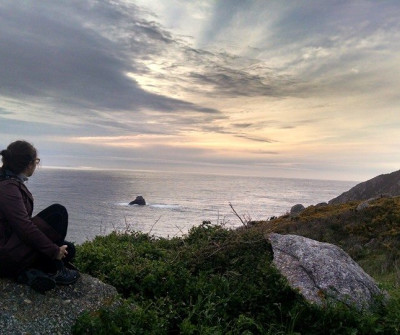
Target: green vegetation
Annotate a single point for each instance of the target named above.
(219, 281)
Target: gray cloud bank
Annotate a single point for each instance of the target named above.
(78, 53)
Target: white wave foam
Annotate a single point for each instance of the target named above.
(165, 206)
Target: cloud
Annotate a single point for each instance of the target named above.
(65, 54)
(212, 79)
(256, 139)
(231, 82)
(4, 112)
(242, 125)
(267, 49)
(302, 50)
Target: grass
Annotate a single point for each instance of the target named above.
(220, 281)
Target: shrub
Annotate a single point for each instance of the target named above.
(212, 281)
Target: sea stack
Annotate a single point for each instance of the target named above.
(138, 201)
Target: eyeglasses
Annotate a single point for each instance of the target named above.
(37, 160)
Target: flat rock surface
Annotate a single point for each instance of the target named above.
(322, 272)
(25, 311)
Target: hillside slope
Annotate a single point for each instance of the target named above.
(383, 184)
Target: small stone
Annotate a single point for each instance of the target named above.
(27, 301)
(362, 206)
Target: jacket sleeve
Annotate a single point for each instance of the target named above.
(14, 210)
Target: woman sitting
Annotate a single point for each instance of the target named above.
(33, 250)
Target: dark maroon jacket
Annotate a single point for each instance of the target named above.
(23, 239)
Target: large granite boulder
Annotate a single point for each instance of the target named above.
(383, 185)
(25, 311)
(322, 272)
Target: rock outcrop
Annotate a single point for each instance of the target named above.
(25, 311)
(322, 272)
(383, 185)
(297, 209)
(138, 201)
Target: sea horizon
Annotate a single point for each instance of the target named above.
(255, 175)
(98, 200)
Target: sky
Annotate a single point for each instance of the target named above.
(296, 89)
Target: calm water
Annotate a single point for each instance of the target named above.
(97, 201)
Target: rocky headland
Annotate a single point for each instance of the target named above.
(382, 185)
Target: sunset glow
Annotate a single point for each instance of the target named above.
(256, 87)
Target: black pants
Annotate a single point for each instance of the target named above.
(56, 216)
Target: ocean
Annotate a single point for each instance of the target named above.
(98, 201)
